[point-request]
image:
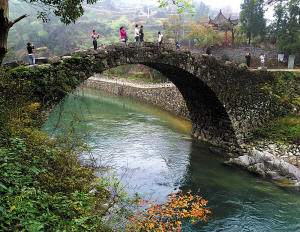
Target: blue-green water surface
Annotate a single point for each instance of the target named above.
(154, 155)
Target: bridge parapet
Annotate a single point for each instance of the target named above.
(225, 102)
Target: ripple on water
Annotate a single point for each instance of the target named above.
(154, 154)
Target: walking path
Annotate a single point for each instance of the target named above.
(130, 82)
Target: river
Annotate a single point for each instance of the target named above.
(154, 154)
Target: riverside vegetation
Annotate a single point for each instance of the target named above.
(44, 186)
(286, 126)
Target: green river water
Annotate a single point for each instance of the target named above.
(154, 153)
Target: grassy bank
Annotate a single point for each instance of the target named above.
(283, 129)
(43, 184)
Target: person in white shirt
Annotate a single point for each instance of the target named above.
(136, 33)
(160, 38)
(262, 60)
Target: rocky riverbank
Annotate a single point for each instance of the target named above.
(269, 159)
(275, 160)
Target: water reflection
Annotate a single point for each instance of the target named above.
(154, 154)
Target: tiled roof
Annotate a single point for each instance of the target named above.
(221, 17)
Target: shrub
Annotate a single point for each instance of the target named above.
(43, 184)
(168, 216)
(225, 57)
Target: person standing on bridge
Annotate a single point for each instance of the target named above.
(136, 33)
(123, 34)
(177, 46)
(30, 48)
(262, 60)
(248, 59)
(208, 51)
(142, 34)
(95, 37)
(160, 38)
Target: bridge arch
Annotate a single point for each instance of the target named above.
(225, 101)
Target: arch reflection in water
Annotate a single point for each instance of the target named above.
(155, 149)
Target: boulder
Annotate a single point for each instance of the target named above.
(66, 57)
(33, 67)
(266, 164)
(41, 60)
(242, 66)
(262, 68)
(54, 60)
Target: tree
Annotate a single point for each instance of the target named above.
(67, 10)
(174, 25)
(204, 33)
(252, 19)
(182, 5)
(201, 10)
(289, 41)
(278, 15)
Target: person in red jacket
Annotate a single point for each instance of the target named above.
(123, 34)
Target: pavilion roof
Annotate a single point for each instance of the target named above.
(220, 17)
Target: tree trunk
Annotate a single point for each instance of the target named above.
(4, 28)
(226, 36)
(5, 25)
(232, 36)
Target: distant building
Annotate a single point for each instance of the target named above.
(220, 17)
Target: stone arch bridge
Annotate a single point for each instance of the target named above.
(225, 102)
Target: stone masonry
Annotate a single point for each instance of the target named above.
(225, 102)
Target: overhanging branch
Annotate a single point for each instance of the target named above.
(18, 19)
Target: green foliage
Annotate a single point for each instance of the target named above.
(68, 11)
(274, 27)
(225, 57)
(282, 92)
(181, 5)
(201, 10)
(9, 53)
(173, 27)
(43, 185)
(252, 18)
(289, 41)
(285, 129)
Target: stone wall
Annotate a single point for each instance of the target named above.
(237, 53)
(226, 102)
(169, 98)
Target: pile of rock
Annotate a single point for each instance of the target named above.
(273, 160)
(288, 152)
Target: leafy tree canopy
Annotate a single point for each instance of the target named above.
(182, 5)
(289, 41)
(252, 18)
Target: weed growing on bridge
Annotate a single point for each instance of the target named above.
(284, 93)
(284, 129)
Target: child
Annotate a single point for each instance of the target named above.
(160, 38)
(262, 60)
(177, 46)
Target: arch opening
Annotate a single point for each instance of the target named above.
(210, 121)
